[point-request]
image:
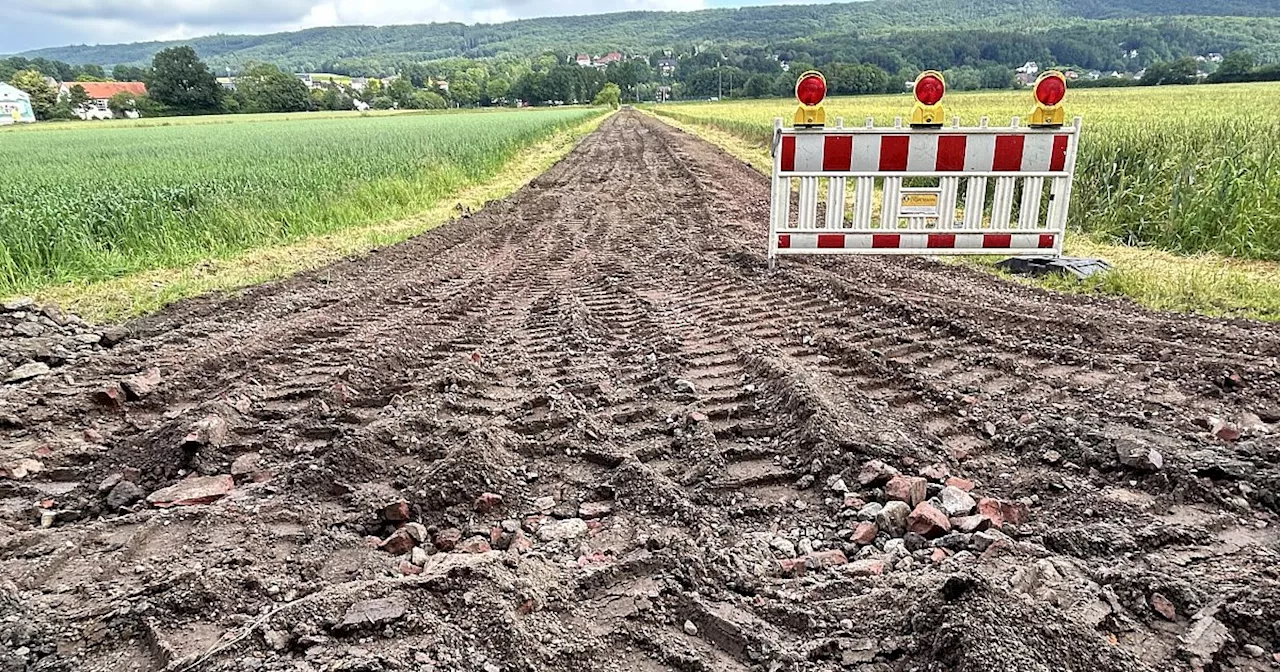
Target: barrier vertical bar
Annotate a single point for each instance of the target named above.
(807, 217)
(781, 194)
(890, 202)
(866, 189)
(1029, 211)
(947, 202)
(1073, 150)
(836, 194)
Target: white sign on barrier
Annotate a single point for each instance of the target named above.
(942, 191)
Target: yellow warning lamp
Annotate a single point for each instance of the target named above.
(811, 90)
(929, 89)
(1051, 88)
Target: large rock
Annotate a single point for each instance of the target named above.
(1206, 638)
(1138, 455)
(875, 473)
(956, 502)
(141, 385)
(909, 489)
(193, 491)
(374, 613)
(892, 519)
(560, 530)
(27, 372)
(123, 495)
(928, 521)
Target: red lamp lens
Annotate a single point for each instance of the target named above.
(929, 90)
(1050, 91)
(811, 90)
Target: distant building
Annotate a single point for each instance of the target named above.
(100, 94)
(1030, 68)
(609, 58)
(1094, 74)
(1026, 78)
(359, 83)
(667, 66)
(15, 106)
(228, 83)
(583, 60)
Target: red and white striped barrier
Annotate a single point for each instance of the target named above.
(942, 191)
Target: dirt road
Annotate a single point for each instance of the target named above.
(680, 441)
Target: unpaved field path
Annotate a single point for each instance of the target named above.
(678, 438)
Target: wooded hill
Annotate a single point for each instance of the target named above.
(1178, 26)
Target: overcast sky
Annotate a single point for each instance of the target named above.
(31, 24)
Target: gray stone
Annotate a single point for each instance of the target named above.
(559, 530)
(114, 336)
(27, 372)
(895, 548)
(1254, 651)
(1138, 455)
(956, 502)
(784, 546)
(374, 612)
(28, 329)
(418, 556)
(544, 505)
(892, 519)
(18, 303)
(690, 629)
(417, 532)
(123, 495)
(956, 541)
(1206, 638)
(983, 540)
(869, 512)
(875, 472)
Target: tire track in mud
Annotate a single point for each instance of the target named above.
(610, 334)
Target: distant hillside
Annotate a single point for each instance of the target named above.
(321, 49)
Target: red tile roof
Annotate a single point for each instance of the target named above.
(104, 90)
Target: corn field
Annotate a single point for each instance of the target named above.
(89, 202)
(1187, 169)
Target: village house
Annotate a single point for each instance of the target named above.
(15, 106)
(583, 60)
(667, 66)
(100, 94)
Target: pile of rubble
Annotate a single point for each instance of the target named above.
(896, 521)
(545, 522)
(37, 339)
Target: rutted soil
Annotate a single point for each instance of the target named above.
(680, 440)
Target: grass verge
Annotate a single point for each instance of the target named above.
(117, 299)
(1205, 284)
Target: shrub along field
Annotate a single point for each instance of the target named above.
(89, 202)
(1185, 169)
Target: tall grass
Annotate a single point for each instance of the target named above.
(96, 202)
(1186, 169)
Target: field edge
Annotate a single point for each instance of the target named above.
(119, 299)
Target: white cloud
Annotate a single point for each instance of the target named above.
(32, 24)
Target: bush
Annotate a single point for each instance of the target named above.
(610, 95)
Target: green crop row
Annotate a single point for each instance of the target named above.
(97, 202)
(1186, 169)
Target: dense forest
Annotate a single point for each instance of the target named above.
(845, 31)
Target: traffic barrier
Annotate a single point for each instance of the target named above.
(941, 191)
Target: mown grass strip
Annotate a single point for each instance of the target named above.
(1206, 284)
(116, 299)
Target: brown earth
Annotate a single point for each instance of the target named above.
(609, 337)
